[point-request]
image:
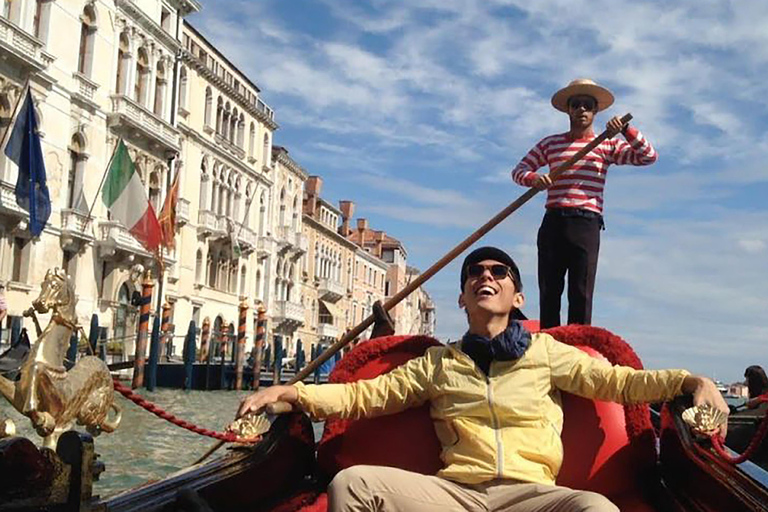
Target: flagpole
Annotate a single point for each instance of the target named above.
(22, 97)
(103, 179)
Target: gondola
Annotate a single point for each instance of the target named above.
(608, 448)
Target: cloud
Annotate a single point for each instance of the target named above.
(418, 112)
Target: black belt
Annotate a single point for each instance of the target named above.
(576, 212)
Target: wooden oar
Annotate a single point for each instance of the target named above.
(281, 407)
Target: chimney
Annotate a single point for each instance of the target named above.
(347, 211)
(312, 187)
(379, 243)
(362, 227)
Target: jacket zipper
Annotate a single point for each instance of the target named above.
(495, 424)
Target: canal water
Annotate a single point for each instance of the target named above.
(146, 447)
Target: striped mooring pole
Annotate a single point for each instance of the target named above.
(166, 336)
(240, 347)
(141, 338)
(258, 343)
(205, 336)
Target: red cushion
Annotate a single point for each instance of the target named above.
(380, 441)
(608, 448)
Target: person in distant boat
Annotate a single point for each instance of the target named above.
(757, 385)
(495, 402)
(569, 237)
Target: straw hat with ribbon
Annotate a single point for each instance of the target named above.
(582, 87)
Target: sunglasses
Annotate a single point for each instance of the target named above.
(498, 271)
(587, 104)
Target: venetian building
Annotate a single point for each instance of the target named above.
(225, 193)
(327, 279)
(97, 71)
(392, 252)
(286, 244)
(419, 314)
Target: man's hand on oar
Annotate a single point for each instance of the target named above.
(268, 398)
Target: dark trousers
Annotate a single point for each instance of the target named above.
(568, 241)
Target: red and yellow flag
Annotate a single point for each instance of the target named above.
(168, 215)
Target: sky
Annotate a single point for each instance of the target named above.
(418, 110)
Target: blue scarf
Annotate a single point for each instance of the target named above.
(509, 345)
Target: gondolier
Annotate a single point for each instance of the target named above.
(495, 403)
(569, 236)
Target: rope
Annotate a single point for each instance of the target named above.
(718, 443)
(229, 437)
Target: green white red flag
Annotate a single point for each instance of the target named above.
(127, 200)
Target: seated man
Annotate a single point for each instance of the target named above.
(494, 398)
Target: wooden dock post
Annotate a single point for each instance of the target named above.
(166, 338)
(189, 356)
(258, 344)
(205, 335)
(278, 342)
(141, 337)
(154, 355)
(240, 346)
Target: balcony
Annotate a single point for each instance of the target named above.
(292, 240)
(75, 229)
(288, 314)
(182, 211)
(114, 241)
(8, 204)
(211, 224)
(127, 115)
(247, 238)
(265, 246)
(23, 47)
(328, 331)
(85, 90)
(330, 290)
(113, 238)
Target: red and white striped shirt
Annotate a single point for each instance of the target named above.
(582, 186)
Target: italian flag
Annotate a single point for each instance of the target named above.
(127, 200)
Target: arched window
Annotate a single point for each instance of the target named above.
(41, 19)
(281, 219)
(199, 267)
(205, 182)
(160, 82)
(267, 156)
(233, 127)
(226, 120)
(77, 160)
(211, 269)
(243, 275)
(183, 88)
(295, 210)
(208, 105)
(251, 140)
(123, 64)
(233, 276)
(262, 213)
(241, 132)
(142, 77)
(87, 40)
(154, 190)
(219, 115)
(258, 284)
(121, 327)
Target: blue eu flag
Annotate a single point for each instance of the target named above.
(24, 150)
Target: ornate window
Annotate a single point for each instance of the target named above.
(142, 77)
(123, 64)
(87, 40)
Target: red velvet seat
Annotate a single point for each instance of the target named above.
(608, 448)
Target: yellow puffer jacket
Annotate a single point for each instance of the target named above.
(506, 425)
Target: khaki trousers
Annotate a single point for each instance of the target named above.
(378, 488)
